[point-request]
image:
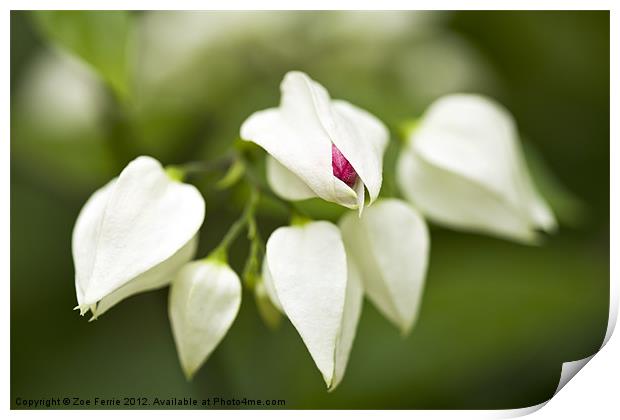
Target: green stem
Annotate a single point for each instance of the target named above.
(251, 270)
(256, 183)
(221, 251)
(198, 167)
(406, 128)
(298, 219)
(181, 172)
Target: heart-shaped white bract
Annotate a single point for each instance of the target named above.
(307, 276)
(299, 136)
(133, 234)
(464, 168)
(390, 245)
(203, 303)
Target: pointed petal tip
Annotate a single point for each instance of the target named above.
(551, 225)
(333, 383)
(403, 326)
(360, 210)
(330, 383)
(93, 311)
(189, 373)
(82, 308)
(405, 330)
(532, 237)
(536, 237)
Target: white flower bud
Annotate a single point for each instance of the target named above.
(133, 234)
(306, 275)
(203, 303)
(390, 245)
(321, 147)
(464, 168)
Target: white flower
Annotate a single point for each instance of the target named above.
(133, 234)
(464, 168)
(203, 303)
(390, 245)
(320, 147)
(307, 275)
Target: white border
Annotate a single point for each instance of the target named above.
(594, 394)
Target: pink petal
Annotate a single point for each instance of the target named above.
(341, 167)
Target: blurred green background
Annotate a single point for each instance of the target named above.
(92, 90)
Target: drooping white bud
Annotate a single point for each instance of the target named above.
(203, 303)
(308, 277)
(133, 234)
(464, 168)
(390, 245)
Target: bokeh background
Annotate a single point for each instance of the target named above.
(92, 90)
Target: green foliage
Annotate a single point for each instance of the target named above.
(497, 318)
(101, 38)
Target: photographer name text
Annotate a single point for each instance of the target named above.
(77, 402)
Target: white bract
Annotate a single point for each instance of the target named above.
(390, 245)
(463, 167)
(308, 277)
(133, 234)
(203, 303)
(319, 146)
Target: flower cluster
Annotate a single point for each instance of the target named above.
(461, 167)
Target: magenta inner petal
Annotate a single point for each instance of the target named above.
(341, 167)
